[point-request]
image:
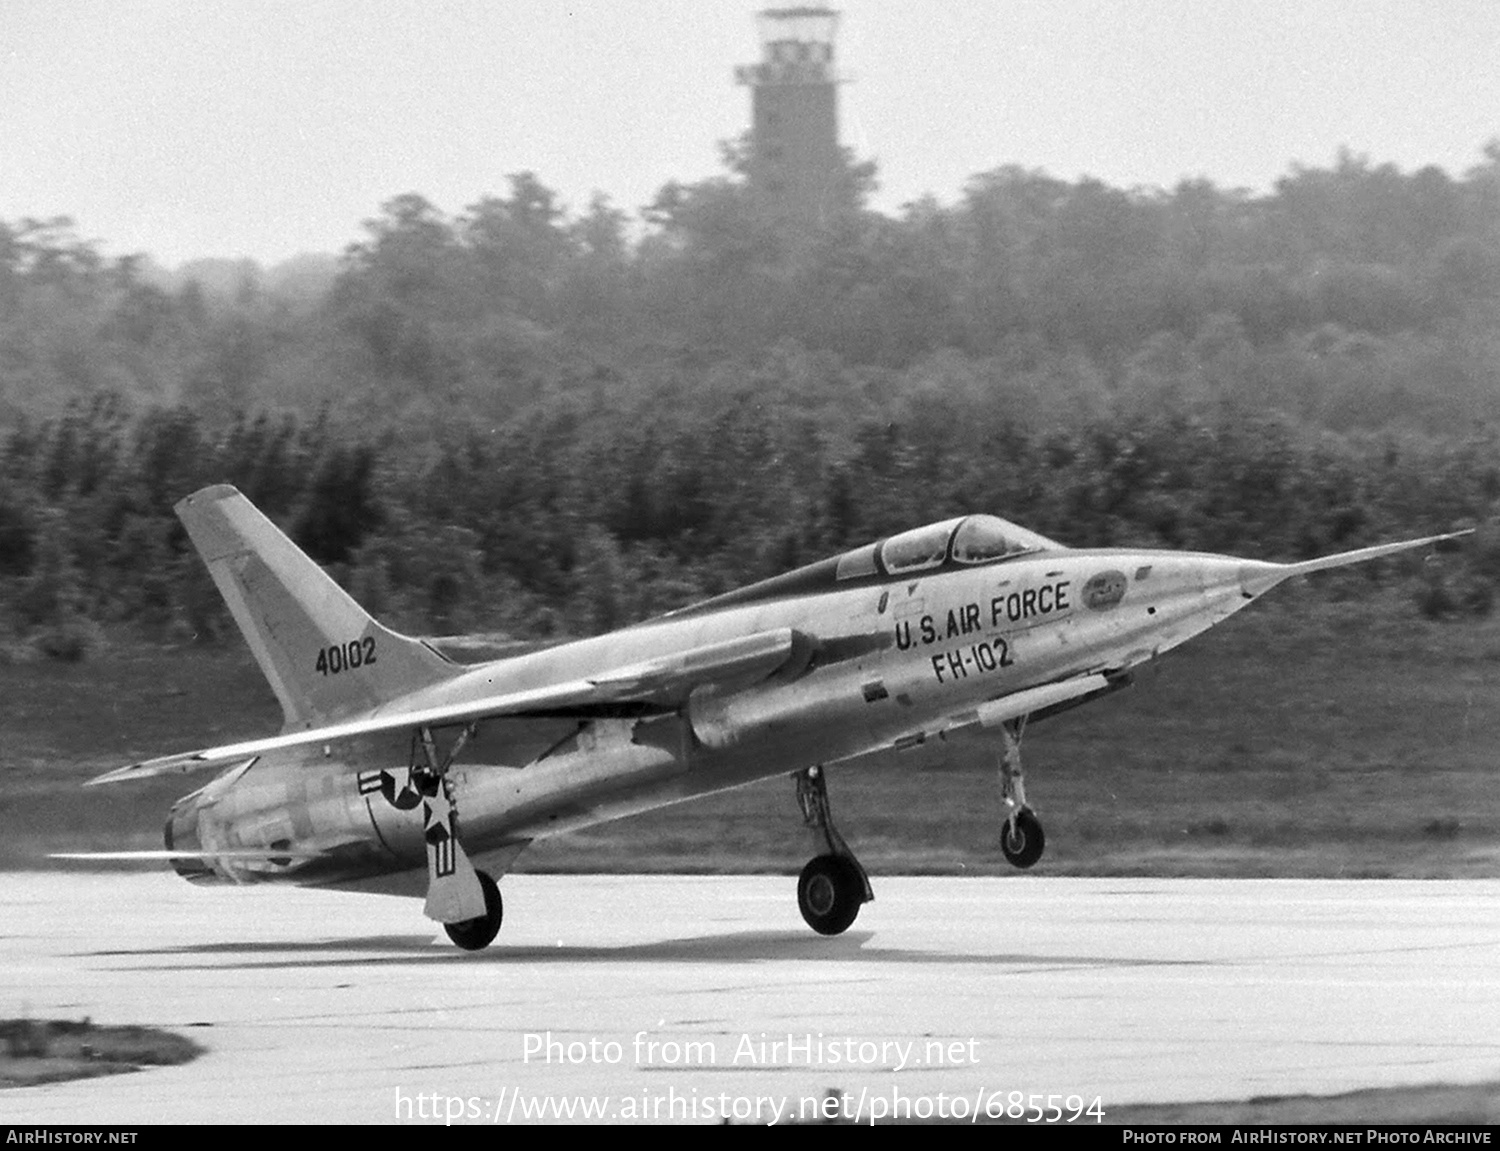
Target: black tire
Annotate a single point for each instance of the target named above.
(829, 893)
(1023, 846)
(477, 934)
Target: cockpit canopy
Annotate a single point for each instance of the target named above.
(977, 539)
(968, 540)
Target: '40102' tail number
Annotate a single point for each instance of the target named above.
(346, 656)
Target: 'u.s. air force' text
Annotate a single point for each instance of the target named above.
(968, 619)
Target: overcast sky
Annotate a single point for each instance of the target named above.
(188, 128)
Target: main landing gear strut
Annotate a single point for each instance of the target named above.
(465, 901)
(833, 885)
(1021, 839)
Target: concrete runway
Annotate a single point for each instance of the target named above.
(678, 998)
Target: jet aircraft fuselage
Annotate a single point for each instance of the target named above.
(396, 766)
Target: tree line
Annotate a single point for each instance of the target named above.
(1356, 296)
(578, 517)
(539, 421)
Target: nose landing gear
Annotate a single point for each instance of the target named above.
(1021, 838)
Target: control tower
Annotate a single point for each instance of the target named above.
(794, 159)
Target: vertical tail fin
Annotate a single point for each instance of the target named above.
(325, 657)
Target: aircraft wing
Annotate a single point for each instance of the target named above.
(661, 681)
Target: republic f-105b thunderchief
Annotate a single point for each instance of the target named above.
(400, 771)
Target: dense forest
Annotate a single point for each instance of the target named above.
(537, 421)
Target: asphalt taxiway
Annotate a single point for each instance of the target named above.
(680, 998)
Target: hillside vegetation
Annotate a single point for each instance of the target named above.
(536, 421)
